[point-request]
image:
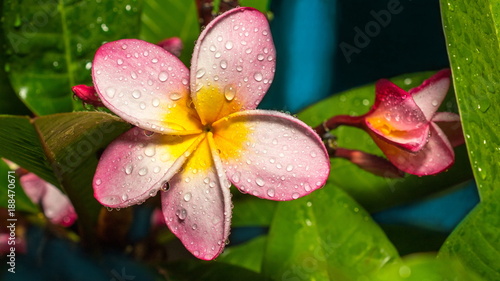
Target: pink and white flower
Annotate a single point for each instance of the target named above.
(406, 127)
(55, 205)
(199, 131)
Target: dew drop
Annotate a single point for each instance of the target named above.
(236, 177)
(181, 213)
(110, 92)
(124, 197)
(435, 103)
(136, 94)
(229, 45)
(258, 76)
(289, 168)
(223, 64)
(133, 75)
(129, 169)
(218, 55)
(195, 226)
(119, 61)
(156, 102)
(156, 170)
(143, 171)
(165, 186)
(260, 57)
(295, 195)
(229, 92)
(260, 182)
(212, 48)
(313, 154)
(187, 196)
(200, 72)
(163, 76)
(98, 182)
(150, 150)
(175, 96)
(142, 105)
(124, 46)
(270, 192)
(153, 192)
(239, 68)
(307, 187)
(154, 60)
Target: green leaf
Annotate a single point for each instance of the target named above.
(162, 19)
(325, 236)
(190, 270)
(248, 255)
(69, 143)
(472, 33)
(252, 211)
(375, 192)
(261, 5)
(21, 144)
(51, 45)
(476, 241)
(425, 267)
(22, 202)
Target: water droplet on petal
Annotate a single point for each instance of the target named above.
(200, 72)
(187, 196)
(260, 182)
(129, 169)
(260, 57)
(156, 102)
(165, 186)
(229, 45)
(150, 150)
(270, 192)
(229, 92)
(295, 195)
(124, 197)
(124, 46)
(136, 94)
(110, 92)
(163, 76)
(181, 213)
(133, 75)
(143, 171)
(434, 103)
(154, 60)
(98, 182)
(223, 64)
(175, 96)
(119, 61)
(195, 226)
(289, 168)
(236, 177)
(307, 187)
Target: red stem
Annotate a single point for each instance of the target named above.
(336, 121)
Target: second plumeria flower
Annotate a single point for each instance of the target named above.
(197, 132)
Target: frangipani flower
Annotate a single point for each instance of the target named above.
(197, 132)
(56, 206)
(405, 125)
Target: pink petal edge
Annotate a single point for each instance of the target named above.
(197, 208)
(234, 54)
(283, 158)
(141, 82)
(136, 165)
(431, 93)
(435, 157)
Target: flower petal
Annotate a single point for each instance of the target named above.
(145, 85)
(451, 126)
(197, 207)
(233, 64)
(56, 206)
(271, 155)
(137, 164)
(432, 92)
(436, 156)
(396, 118)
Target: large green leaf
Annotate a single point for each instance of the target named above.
(476, 241)
(425, 267)
(63, 149)
(251, 211)
(375, 192)
(22, 201)
(248, 255)
(162, 19)
(472, 33)
(20, 143)
(51, 45)
(325, 236)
